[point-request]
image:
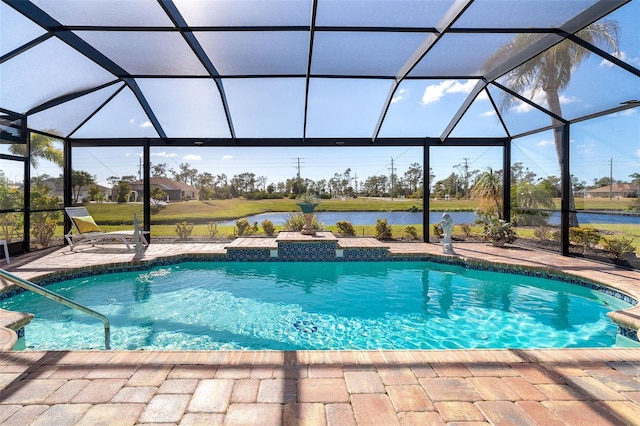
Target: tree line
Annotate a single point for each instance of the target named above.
(249, 185)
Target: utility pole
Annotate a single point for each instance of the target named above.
(611, 178)
(298, 177)
(140, 169)
(393, 171)
(466, 177)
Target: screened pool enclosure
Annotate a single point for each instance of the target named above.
(549, 88)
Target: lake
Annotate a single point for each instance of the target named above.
(415, 218)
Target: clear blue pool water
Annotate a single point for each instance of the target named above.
(331, 305)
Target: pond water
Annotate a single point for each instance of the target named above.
(413, 218)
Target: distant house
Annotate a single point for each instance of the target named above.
(57, 188)
(176, 191)
(618, 190)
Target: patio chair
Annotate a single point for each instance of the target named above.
(84, 230)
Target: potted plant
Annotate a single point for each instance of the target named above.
(497, 231)
(308, 203)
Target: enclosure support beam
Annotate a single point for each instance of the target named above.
(565, 175)
(506, 181)
(426, 192)
(146, 184)
(67, 184)
(26, 231)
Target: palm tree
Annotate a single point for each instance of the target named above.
(550, 72)
(488, 189)
(41, 147)
(636, 180)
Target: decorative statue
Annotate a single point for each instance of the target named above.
(447, 229)
(137, 236)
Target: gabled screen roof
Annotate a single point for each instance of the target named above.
(226, 70)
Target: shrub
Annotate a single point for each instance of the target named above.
(584, 236)
(10, 225)
(346, 228)
(618, 247)
(383, 230)
(497, 230)
(530, 218)
(268, 227)
(543, 233)
(43, 230)
(262, 195)
(212, 227)
(437, 230)
(244, 227)
(157, 196)
(295, 222)
(184, 230)
(411, 232)
(466, 229)
(43, 224)
(124, 189)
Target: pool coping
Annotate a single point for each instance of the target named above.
(609, 279)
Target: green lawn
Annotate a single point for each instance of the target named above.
(218, 210)
(113, 216)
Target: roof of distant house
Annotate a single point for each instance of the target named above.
(616, 187)
(167, 184)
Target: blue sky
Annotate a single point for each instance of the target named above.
(419, 107)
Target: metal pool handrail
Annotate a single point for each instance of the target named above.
(28, 285)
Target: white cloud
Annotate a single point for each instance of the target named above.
(400, 96)
(565, 100)
(192, 157)
(435, 92)
(163, 154)
(522, 107)
(458, 87)
(145, 124)
(227, 157)
(489, 113)
(623, 57)
(541, 100)
(545, 142)
(628, 112)
(638, 153)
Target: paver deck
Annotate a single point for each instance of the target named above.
(519, 387)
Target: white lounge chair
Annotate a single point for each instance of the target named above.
(84, 230)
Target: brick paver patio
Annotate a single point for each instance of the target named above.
(503, 387)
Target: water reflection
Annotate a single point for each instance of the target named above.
(425, 291)
(446, 298)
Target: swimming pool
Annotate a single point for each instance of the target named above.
(320, 305)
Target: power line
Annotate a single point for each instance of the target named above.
(106, 167)
(298, 174)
